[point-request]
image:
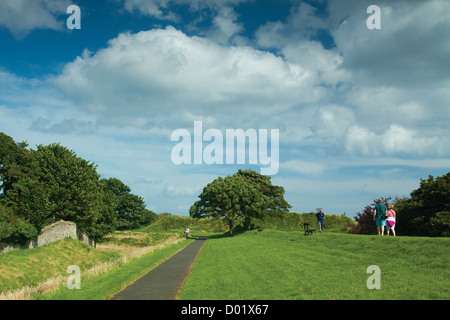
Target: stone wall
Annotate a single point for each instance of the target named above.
(51, 233)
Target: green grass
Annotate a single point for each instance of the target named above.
(138, 238)
(274, 265)
(106, 284)
(30, 267)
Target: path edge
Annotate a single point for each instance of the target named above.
(130, 283)
(190, 268)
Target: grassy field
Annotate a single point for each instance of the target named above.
(278, 263)
(283, 265)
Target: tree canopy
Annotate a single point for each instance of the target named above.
(129, 208)
(239, 198)
(39, 187)
(427, 211)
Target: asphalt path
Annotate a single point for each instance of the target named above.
(165, 281)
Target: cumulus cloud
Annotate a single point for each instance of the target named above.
(163, 75)
(332, 122)
(395, 140)
(302, 24)
(225, 26)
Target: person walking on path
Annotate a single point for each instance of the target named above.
(321, 219)
(390, 220)
(379, 215)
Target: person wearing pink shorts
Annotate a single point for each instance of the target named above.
(390, 220)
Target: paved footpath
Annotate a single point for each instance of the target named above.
(164, 281)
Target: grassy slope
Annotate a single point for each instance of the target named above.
(273, 265)
(31, 267)
(174, 223)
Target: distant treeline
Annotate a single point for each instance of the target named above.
(51, 183)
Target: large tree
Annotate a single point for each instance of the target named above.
(427, 211)
(38, 187)
(74, 189)
(23, 198)
(129, 208)
(239, 198)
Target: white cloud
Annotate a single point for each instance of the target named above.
(394, 140)
(225, 26)
(154, 8)
(332, 122)
(162, 74)
(23, 16)
(302, 23)
(326, 65)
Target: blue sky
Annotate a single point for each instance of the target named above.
(361, 113)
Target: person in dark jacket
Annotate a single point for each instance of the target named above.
(321, 219)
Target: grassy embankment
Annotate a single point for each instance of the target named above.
(119, 259)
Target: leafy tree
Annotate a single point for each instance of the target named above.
(38, 187)
(239, 198)
(427, 211)
(129, 209)
(15, 163)
(275, 196)
(21, 193)
(73, 186)
(14, 229)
